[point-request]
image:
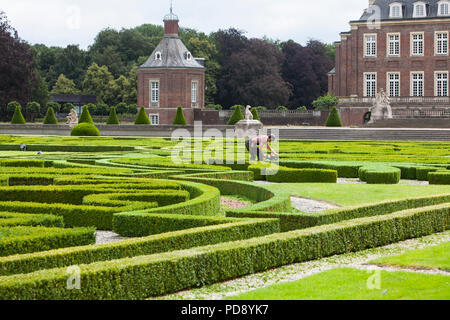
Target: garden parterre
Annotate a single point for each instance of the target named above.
(182, 238)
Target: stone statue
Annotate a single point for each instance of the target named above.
(381, 109)
(72, 118)
(248, 113)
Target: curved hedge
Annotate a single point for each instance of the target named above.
(290, 175)
(439, 177)
(380, 175)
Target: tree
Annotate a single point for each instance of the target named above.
(236, 117)
(113, 119)
(122, 108)
(142, 118)
(99, 81)
(11, 108)
(102, 109)
(281, 108)
(334, 120)
(50, 117)
(65, 86)
(40, 94)
(255, 114)
(180, 120)
(67, 107)
(85, 116)
(325, 103)
(18, 116)
(32, 109)
(17, 67)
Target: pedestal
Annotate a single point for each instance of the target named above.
(245, 129)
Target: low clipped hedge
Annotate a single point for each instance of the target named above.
(20, 240)
(422, 172)
(9, 219)
(344, 169)
(154, 275)
(65, 148)
(439, 177)
(22, 163)
(4, 181)
(290, 175)
(380, 175)
(233, 230)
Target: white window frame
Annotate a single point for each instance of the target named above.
(388, 84)
(440, 7)
(388, 45)
(371, 55)
(436, 80)
(436, 43)
(194, 93)
(412, 83)
(151, 117)
(154, 102)
(365, 74)
(418, 5)
(413, 41)
(158, 55)
(398, 6)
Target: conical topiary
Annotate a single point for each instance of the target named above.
(113, 119)
(236, 117)
(50, 117)
(142, 117)
(180, 120)
(18, 116)
(334, 120)
(255, 114)
(85, 116)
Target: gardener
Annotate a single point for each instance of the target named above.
(255, 147)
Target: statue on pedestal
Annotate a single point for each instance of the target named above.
(72, 118)
(249, 127)
(248, 113)
(381, 109)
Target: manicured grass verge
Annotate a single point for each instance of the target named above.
(437, 257)
(155, 275)
(351, 284)
(19, 240)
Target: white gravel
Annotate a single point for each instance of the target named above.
(103, 237)
(310, 205)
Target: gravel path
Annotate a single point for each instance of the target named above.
(310, 205)
(103, 237)
(301, 270)
(233, 204)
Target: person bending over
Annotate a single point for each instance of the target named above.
(255, 147)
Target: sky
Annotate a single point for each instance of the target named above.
(64, 22)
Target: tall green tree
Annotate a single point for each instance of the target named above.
(100, 82)
(65, 86)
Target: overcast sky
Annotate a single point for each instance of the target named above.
(63, 22)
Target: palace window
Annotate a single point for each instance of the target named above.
(188, 55)
(194, 93)
(443, 8)
(154, 93)
(158, 56)
(396, 10)
(393, 84)
(441, 84)
(154, 119)
(370, 84)
(417, 84)
(417, 47)
(420, 10)
(394, 44)
(370, 44)
(441, 42)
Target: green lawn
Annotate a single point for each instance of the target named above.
(437, 257)
(352, 284)
(354, 194)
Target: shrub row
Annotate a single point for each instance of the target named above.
(66, 148)
(4, 181)
(9, 219)
(22, 163)
(380, 175)
(145, 276)
(422, 172)
(233, 230)
(160, 197)
(227, 175)
(21, 240)
(344, 169)
(280, 174)
(440, 177)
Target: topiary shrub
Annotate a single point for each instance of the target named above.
(67, 107)
(325, 102)
(11, 108)
(55, 105)
(122, 108)
(85, 130)
(255, 114)
(334, 120)
(236, 117)
(380, 174)
(85, 116)
(50, 117)
(18, 116)
(102, 109)
(302, 108)
(113, 119)
(179, 120)
(132, 108)
(281, 108)
(142, 118)
(439, 177)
